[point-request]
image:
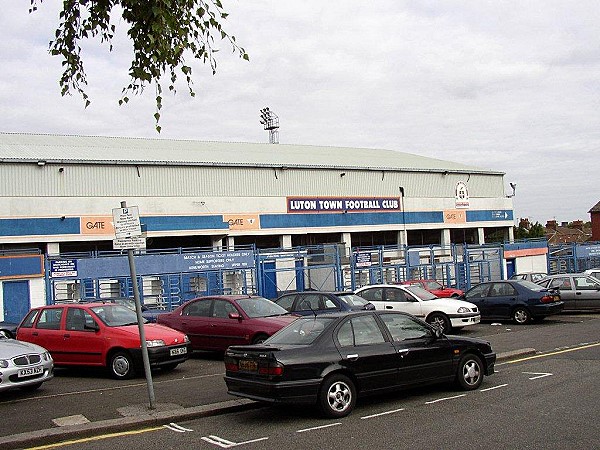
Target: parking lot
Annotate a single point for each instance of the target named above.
(79, 396)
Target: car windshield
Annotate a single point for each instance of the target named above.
(353, 300)
(531, 285)
(115, 315)
(260, 307)
(420, 293)
(432, 285)
(302, 331)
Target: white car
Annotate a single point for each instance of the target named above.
(23, 365)
(447, 313)
(593, 273)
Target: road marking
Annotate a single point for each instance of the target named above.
(493, 387)
(543, 355)
(319, 428)
(95, 438)
(383, 413)
(445, 398)
(174, 427)
(224, 443)
(539, 375)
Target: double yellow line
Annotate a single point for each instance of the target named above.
(558, 352)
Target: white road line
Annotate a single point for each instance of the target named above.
(383, 413)
(319, 428)
(179, 427)
(539, 375)
(172, 428)
(223, 443)
(444, 399)
(493, 387)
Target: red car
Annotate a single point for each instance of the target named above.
(216, 322)
(104, 335)
(435, 288)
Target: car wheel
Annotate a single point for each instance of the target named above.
(470, 372)
(259, 338)
(121, 365)
(31, 387)
(337, 396)
(439, 320)
(521, 316)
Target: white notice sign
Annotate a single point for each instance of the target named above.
(127, 222)
(131, 243)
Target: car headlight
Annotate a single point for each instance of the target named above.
(3, 363)
(463, 309)
(155, 343)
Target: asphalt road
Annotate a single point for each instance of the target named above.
(547, 402)
(76, 396)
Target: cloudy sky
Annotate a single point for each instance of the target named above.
(512, 86)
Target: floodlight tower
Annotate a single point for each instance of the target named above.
(270, 121)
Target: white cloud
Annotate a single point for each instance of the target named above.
(510, 86)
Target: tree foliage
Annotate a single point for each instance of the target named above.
(163, 33)
(536, 230)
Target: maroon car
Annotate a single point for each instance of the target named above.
(216, 322)
(436, 288)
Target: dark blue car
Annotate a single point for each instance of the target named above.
(319, 302)
(517, 300)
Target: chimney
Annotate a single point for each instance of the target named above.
(577, 224)
(564, 224)
(552, 224)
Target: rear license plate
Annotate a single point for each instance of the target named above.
(250, 366)
(30, 371)
(178, 351)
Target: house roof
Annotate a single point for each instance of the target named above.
(595, 208)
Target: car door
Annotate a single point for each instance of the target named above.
(478, 295)
(84, 339)
(367, 353)
(423, 357)
(587, 292)
(500, 300)
(565, 286)
(195, 322)
(223, 330)
(47, 332)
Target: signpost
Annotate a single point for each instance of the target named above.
(128, 235)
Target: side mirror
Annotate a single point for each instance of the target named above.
(235, 316)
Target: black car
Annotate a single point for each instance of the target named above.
(518, 300)
(330, 359)
(319, 302)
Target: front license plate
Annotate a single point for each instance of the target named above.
(30, 371)
(250, 366)
(178, 351)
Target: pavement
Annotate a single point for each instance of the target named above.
(141, 416)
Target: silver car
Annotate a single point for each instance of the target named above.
(578, 290)
(23, 365)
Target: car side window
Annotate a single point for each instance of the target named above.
(50, 319)
(222, 308)
(371, 295)
(478, 291)
(501, 290)
(561, 283)
(199, 308)
(287, 301)
(327, 303)
(30, 318)
(403, 327)
(362, 330)
(77, 319)
(395, 295)
(585, 284)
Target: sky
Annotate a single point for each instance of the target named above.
(511, 86)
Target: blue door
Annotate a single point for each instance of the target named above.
(269, 279)
(15, 300)
(510, 268)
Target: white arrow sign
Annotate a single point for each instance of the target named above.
(538, 375)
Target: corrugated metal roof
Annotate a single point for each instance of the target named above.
(17, 147)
